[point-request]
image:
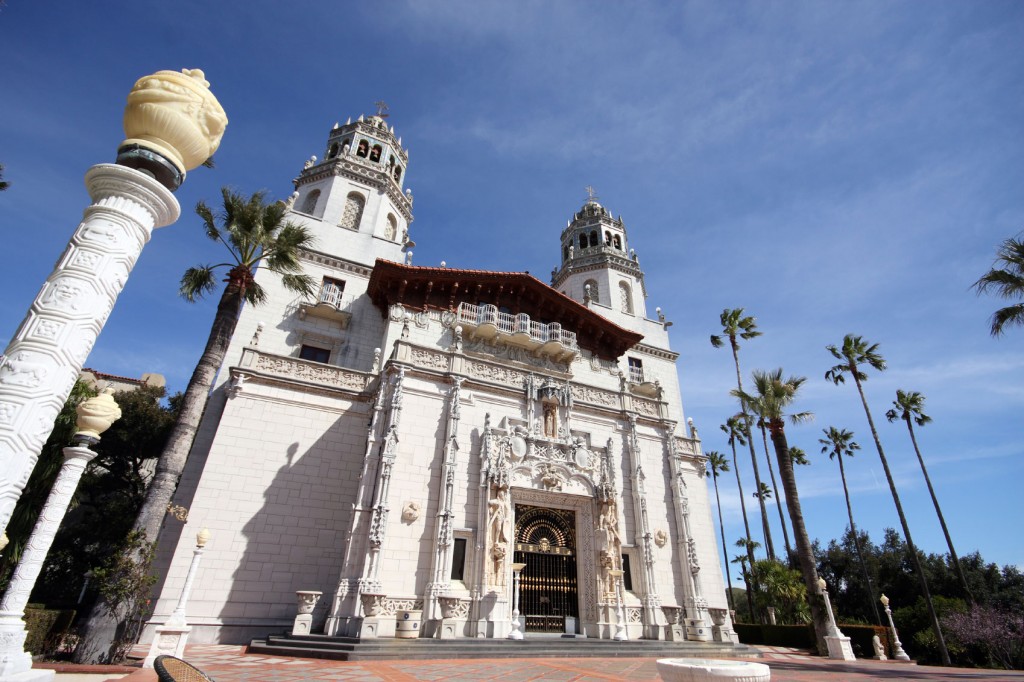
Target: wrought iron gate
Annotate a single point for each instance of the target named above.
(546, 543)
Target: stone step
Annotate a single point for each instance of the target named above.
(351, 649)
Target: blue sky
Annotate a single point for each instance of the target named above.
(831, 167)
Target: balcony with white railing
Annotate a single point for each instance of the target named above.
(487, 322)
(331, 304)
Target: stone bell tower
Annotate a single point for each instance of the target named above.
(356, 192)
(598, 268)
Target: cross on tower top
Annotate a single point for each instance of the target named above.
(382, 108)
(591, 193)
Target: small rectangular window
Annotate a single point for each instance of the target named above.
(458, 558)
(314, 354)
(627, 575)
(636, 371)
(331, 291)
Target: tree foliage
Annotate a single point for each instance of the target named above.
(1006, 280)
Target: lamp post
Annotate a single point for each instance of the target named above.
(897, 649)
(839, 646)
(170, 637)
(173, 123)
(95, 416)
(620, 621)
(516, 632)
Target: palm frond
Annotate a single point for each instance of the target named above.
(197, 282)
(255, 294)
(716, 341)
(301, 284)
(204, 212)
(1010, 316)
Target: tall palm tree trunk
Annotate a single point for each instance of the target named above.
(856, 541)
(942, 520)
(753, 456)
(804, 551)
(721, 526)
(775, 491)
(743, 508)
(911, 548)
(101, 631)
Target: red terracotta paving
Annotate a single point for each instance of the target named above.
(232, 664)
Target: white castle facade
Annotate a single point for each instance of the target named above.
(403, 441)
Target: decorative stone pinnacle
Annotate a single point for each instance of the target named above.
(95, 416)
(173, 123)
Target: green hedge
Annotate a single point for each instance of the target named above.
(860, 639)
(45, 627)
(795, 636)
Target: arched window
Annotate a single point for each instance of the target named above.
(376, 152)
(565, 253)
(594, 238)
(392, 229)
(625, 298)
(618, 242)
(607, 238)
(583, 241)
(353, 212)
(333, 151)
(309, 203)
(363, 149)
(595, 292)
(397, 173)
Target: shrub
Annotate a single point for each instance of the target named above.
(860, 639)
(795, 636)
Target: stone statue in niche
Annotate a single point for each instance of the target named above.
(310, 163)
(345, 146)
(550, 420)
(410, 512)
(498, 529)
(660, 537)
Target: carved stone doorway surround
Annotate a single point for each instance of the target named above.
(586, 566)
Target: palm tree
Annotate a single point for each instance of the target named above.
(799, 456)
(855, 352)
(839, 442)
(1008, 282)
(737, 433)
(255, 234)
(775, 487)
(750, 546)
(775, 394)
(3, 185)
(719, 464)
(910, 408)
(736, 326)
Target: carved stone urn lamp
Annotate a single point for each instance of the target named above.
(95, 416)
(173, 123)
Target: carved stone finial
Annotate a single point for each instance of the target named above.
(95, 416)
(172, 123)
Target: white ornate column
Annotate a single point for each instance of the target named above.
(697, 626)
(839, 646)
(370, 582)
(94, 417)
(897, 647)
(170, 638)
(650, 601)
(173, 123)
(440, 583)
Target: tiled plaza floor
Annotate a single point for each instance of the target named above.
(231, 664)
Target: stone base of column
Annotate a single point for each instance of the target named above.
(168, 640)
(449, 628)
(839, 648)
(722, 633)
(697, 630)
(15, 662)
(368, 627)
(674, 633)
(303, 624)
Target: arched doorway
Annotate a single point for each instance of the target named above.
(546, 543)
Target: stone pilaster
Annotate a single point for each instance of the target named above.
(649, 598)
(443, 538)
(43, 360)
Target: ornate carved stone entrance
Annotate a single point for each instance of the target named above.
(545, 540)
